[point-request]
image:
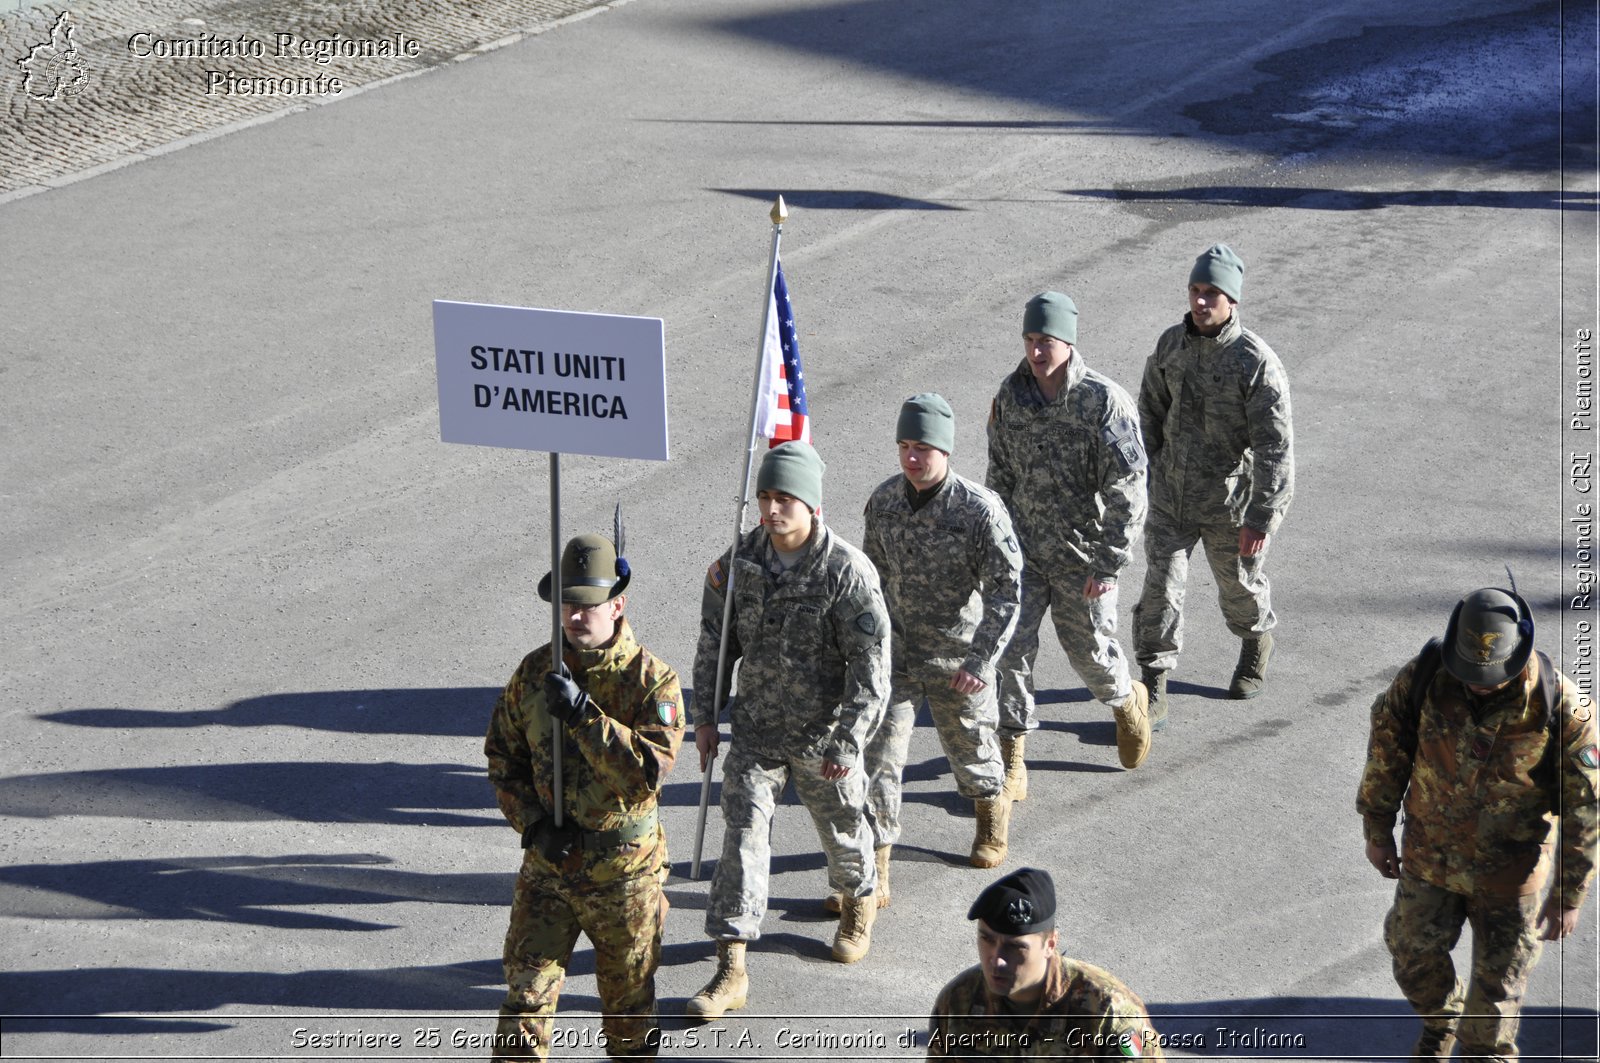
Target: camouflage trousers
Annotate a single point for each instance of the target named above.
(1242, 586)
(623, 918)
(751, 787)
(1086, 628)
(1422, 928)
(966, 724)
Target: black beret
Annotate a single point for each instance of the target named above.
(1024, 902)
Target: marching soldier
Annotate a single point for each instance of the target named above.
(812, 637)
(951, 572)
(1491, 751)
(600, 872)
(1214, 406)
(1066, 458)
(1026, 1000)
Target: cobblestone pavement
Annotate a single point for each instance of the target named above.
(102, 83)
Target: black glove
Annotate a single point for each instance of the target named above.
(554, 843)
(563, 698)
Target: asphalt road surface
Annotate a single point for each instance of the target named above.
(255, 612)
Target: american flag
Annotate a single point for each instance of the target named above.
(781, 413)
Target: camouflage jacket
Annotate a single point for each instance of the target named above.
(1477, 821)
(1071, 471)
(951, 572)
(1085, 1013)
(1215, 413)
(812, 646)
(615, 760)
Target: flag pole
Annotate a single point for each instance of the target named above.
(558, 733)
(778, 215)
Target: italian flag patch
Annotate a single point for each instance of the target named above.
(1590, 757)
(1131, 1046)
(667, 712)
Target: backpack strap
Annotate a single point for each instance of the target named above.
(1429, 661)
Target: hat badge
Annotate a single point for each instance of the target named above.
(582, 555)
(1483, 643)
(1019, 911)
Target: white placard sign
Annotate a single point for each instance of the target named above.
(551, 380)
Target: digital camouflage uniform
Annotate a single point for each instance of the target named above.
(1085, 1013)
(1480, 821)
(812, 644)
(1072, 474)
(1216, 421)
(613, 767)
(951, 572)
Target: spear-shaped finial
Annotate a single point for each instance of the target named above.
(780, 212)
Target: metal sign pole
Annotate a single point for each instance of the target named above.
(559, 731)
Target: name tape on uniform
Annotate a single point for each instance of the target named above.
(551, 380)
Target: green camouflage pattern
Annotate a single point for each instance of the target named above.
(1485, 1008)
(1071, 471)
(752, 785)
(951, 572)
(623, 918)
(1217, 426)
(1087, 631)
(1243, 589)
(811, 645)
(614, 763)
(1085, 1013)
(1477, 822)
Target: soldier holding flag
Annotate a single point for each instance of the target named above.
(811, 633)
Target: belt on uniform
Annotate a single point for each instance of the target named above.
(640, 828)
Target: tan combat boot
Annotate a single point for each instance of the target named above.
(1016, 770)
(1250, 674)
(833, 904)
(881, 856)
(728, 987)
(1133, 727)
(994, 821)
(855, 929)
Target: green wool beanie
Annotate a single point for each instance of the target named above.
(1053, 314)
(927, 418)
(1220, 268)
(796, 470)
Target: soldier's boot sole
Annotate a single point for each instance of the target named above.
(854, 937)
(1133, 727)
(1156, 683)
(1250, 674)
(1011, 752)
(728, 989)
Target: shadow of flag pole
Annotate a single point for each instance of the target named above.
(719, 696)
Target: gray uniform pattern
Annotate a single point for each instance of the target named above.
(1072, 474)
(951, 572)
(1216, 419)
(812, 645)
